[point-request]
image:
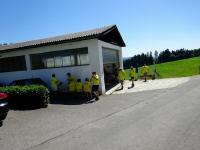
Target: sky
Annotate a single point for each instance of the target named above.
(145, 25)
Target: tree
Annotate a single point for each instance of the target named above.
(155, 56)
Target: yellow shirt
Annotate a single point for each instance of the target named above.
(54, 83)
(145, 69)
(95, 79)
(72, 86)
(79, 87)
(71, 78)
(121, 75)
(133, 73)
(86, 86)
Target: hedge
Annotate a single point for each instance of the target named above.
(27, 96)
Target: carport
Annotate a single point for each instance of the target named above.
(111, 64)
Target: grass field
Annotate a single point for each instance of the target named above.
(180, 68)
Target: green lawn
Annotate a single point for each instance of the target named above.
(180, 68)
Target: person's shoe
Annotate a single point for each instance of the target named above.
(97, 98)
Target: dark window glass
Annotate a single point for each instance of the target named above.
(11, 64)
(63, 58)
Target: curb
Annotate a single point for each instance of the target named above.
(113, 89)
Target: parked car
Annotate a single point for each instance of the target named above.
(32, 81)
(3, 107)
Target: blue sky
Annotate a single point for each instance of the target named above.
(144, 24)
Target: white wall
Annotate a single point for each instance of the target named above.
(45, 74)
(95, 58)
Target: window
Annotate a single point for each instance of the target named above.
(83, 59)
(63, 58)
(49, 63)
(69, 61)
(58, 61)
(12, 64)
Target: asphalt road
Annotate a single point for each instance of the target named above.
(166, 119)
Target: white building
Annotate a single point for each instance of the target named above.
(79, 53)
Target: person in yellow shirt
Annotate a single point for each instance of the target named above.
(132, 76)
(54, 83)
(121, 77)
(145, 72)
(70, 77)
(79, 86)
(72, 87)
(87, 88)
(95, 85)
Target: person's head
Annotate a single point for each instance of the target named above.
(53, 75)
(78, 80)
(86, 79)
(94, 73)
(68, 74)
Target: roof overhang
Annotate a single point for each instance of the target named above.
(108, 34)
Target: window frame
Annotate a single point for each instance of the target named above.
(73, 53)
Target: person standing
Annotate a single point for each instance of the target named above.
(136, 70)
(54, 83)
(87, 88)
(132, 76)
(121, 77)
(72, 87)
(70, 78)
(79, 86)
(95, 85)
(145, 72)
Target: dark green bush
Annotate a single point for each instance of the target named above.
(27, 96)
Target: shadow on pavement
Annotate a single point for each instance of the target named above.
(67, 99)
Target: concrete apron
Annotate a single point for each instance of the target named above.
(140, 85)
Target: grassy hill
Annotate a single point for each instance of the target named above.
(180, 68)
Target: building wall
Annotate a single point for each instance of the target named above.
(113, 47)
(95, 58)
(79, 71)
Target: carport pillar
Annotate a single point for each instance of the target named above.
(120, 58)
(96, 61)
(101, 69)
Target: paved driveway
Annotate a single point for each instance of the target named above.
(160, 119)
(140, 85)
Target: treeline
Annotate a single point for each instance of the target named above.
(164, 56)
(139, 60)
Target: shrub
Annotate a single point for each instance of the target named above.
(27, 96)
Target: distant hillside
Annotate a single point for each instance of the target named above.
(180, 68)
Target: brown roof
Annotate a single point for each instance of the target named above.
(90, 34)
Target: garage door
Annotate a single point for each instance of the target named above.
(110, 56)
